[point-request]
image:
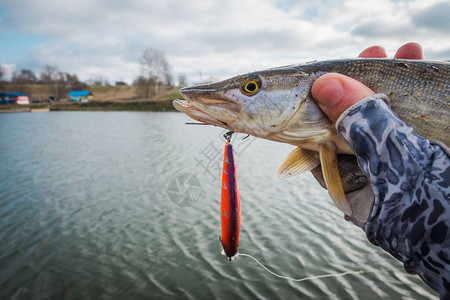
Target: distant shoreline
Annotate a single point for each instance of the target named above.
(129, 105)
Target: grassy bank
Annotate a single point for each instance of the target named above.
(130, 105)
(115, 106)
(100, 92)
(106, 98)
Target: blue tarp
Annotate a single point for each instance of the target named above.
(79, 93)
(83, 96)
(10, 97)
(13, 94)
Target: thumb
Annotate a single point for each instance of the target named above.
(336, 92)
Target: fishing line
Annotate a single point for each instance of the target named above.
(318, 276)
(196, 123)
(230, 218)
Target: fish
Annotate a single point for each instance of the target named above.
(230, 206)
(276, 104)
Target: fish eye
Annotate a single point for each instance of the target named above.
(251, 86)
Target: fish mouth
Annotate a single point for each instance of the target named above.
(208, 105)
(197, 114)
(206, 95)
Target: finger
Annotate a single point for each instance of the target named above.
(409, 51)
(373, 52)
(336, 92)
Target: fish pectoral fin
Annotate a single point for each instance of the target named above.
(298, 161)
(328, 160)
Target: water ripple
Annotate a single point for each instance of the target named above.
(84, 214)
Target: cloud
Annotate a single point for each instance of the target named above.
(435, 17)
(382, 28)
(440, 54)
(8, 69)
(214, 38)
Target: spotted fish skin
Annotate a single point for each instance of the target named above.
(418, 90)
(282, 109)
(276, 104)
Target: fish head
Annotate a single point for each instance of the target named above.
(274, 104)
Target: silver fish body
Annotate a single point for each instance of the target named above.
(276, 104)
(419, 90)
(281, 109)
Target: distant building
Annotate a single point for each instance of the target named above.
(81, 96)
(14, 98)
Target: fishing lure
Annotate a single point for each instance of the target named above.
(231, 217)
(230, 207)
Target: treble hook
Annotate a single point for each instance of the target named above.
(228, 135)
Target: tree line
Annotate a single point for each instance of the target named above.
(57, 83)
(155, 73)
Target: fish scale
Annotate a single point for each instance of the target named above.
(418, 89)
(276, 104)
(282, 109)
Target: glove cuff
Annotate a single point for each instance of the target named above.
(360, 103)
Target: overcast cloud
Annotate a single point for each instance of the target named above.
(213, 38)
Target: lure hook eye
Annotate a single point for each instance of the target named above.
(228, 135)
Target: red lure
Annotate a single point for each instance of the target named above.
(230, 205)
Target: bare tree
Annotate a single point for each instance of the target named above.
(141, 83)
(99, 80)
(24, 76)
(50, 74)
(76, 83)
(19, 85)
(168, 79)
(21, 80)
(28, 75)
(54, 79)
(67, 82)
(182, 80)
(156, 70)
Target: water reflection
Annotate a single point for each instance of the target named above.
(85, 214)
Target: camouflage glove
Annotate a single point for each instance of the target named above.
(357, 188)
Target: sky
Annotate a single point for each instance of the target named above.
(209, 40)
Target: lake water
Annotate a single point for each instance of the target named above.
(93, 206)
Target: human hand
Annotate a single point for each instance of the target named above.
(335, 93)
(410, 210)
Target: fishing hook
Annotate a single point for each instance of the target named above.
(228, 135)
